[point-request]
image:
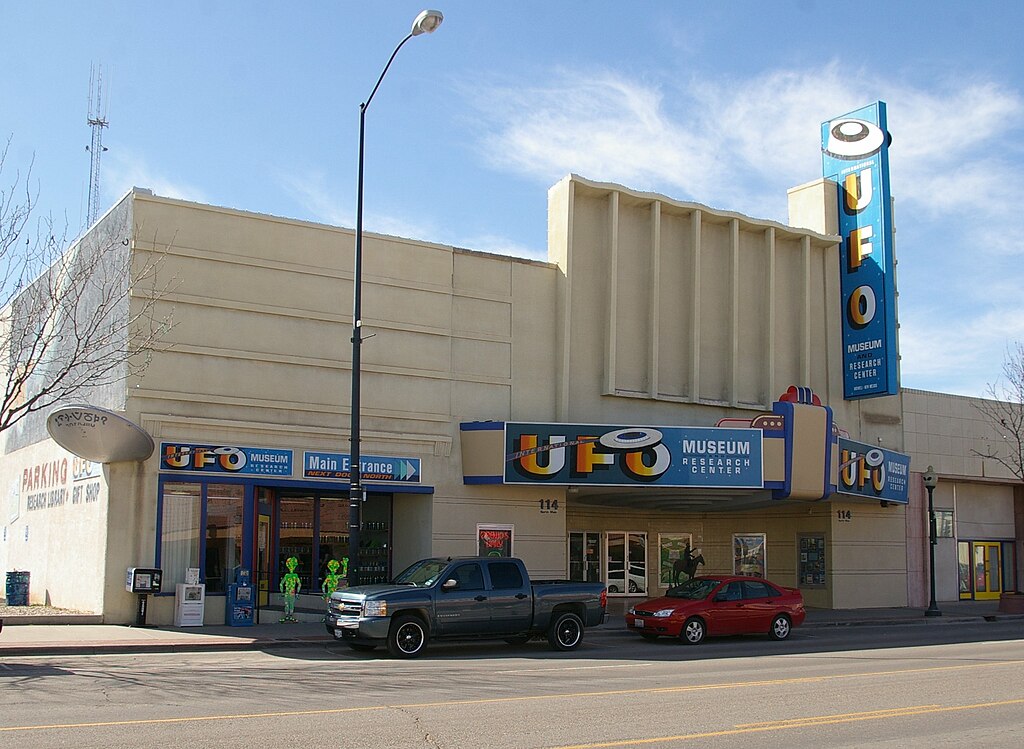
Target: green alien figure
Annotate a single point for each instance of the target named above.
(290, 586)
(333, 580)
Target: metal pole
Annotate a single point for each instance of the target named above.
(356, 493)
(355, 489)
(933, 609)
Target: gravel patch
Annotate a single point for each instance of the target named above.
(15, 611)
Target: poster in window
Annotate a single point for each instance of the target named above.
(811, 565)
(494, 540)
(672, 557)
(748, 554)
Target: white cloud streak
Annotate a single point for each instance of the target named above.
(741, 144)
(124, 170)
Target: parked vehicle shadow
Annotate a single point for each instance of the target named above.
(620, 645)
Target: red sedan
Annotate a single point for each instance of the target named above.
(725, 605)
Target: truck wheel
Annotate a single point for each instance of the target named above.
(566, 631)
(407, 637)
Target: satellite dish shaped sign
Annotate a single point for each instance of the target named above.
(98, 435)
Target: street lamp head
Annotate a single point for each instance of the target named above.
(929, 478)
(427, 22)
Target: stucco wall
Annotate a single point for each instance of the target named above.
(55, 526)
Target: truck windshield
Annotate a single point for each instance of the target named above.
(695, 589)
(424, 572)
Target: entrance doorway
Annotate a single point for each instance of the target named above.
(626, 563)
(263, 558)
(987, 569)
(585, 556)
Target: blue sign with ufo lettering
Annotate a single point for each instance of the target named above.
(873, 472)
(594, 455)
(855, 153)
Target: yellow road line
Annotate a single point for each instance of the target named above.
(782, 725)
(529, 698)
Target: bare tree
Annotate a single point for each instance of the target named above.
(74, 316)
(1005, 412)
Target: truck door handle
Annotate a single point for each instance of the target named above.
(521, 596)
(480, 598)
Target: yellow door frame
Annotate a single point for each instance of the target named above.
(987, 567)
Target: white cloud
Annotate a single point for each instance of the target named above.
(124, 170)
(739, 144)
(319, 204)
(309, 191)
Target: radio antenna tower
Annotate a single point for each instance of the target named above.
(97, 120)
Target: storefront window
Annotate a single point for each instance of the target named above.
(296, 539)
(963, 555)
(678, 560)
(179, 531)
(944, 524)
(748, 556)
(224, 503)
(334, 536)
(1009, 567)
(494, 540)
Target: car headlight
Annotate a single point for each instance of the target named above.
(632, 610)
(664, 612)
(375, 608)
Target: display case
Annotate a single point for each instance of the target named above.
(812, 561)
(374, 552)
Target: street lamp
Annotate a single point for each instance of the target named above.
(931, 480)
(425, 23)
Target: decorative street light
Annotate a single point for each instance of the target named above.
(425, 23)
(931, 480)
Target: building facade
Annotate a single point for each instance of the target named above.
(657, 320)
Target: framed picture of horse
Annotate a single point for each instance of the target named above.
(678, 559)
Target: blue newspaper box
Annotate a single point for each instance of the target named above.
(240, 600)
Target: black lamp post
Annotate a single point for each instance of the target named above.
(425, 23)
(931, 480)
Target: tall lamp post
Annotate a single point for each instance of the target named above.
(425, 23)
(931, 480)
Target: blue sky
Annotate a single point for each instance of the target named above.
(255, 105)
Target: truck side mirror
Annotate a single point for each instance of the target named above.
(450, 584)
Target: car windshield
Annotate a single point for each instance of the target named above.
(693, 589)
(425, 572)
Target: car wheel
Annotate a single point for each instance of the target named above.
(407, 637)
(613, 588)
(693, 631)
(566, 631)
(521, 640)
(648, 636)
(632, 587)
(781, 627)
(361, 647)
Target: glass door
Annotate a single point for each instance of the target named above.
(626, 563)
(987, 570)
(585, 556)
(263, 558)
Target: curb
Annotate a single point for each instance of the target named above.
(70, 619)
(110, 648)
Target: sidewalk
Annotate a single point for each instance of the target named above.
(81, 634)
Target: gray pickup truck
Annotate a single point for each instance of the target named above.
(466, 598)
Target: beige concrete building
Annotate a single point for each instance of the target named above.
(651, 317)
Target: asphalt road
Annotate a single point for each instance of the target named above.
(931, 686)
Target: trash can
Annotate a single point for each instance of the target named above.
(17, 588)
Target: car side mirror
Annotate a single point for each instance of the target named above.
(450, 584)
